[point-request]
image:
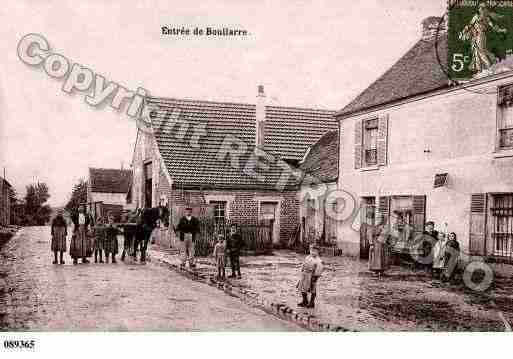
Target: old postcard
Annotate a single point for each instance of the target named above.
(289, 166)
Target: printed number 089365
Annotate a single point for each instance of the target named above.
(19, 344)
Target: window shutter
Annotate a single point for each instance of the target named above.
(419, 214)
(477, 223)
(384, 207)
(382, 140)
(358, 143)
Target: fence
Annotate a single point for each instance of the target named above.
(257, 237)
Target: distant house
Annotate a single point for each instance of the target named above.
(237, 159)
(417, 147)
(107, 190)
(320, 162)
(5, 202)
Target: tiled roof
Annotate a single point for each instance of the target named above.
(418, 71)
(321, 160)
(289, 132)
(109, 180)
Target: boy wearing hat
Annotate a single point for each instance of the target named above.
(310, 272)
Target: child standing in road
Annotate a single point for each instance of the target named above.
(310, 272)
(220, 257)
(110, 245)
(98, 239)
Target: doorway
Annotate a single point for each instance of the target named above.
(148, 184)
(367, 220)
(268, 213)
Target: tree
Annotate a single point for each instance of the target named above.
(78, 196)
(36, 212)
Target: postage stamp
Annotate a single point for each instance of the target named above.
(480, 34)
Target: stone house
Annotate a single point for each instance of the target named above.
(321, 162)
(237, 160)
(107, 190)
(416, 147)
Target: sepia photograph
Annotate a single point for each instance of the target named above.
(255, 166)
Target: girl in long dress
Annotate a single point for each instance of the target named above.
(81, 245)
(59, 231)
(378, 251)
(310, 272)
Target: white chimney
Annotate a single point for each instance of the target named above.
(433, 25)
(260, 118)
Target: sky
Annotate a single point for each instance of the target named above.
(317, 54)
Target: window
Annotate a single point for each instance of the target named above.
(505, 102)
(502, 222)
(370, 142)
(148, 184)
(219, 211)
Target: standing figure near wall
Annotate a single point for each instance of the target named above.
(378, 250)
(189, 229)
(451, 257)
(439, 254)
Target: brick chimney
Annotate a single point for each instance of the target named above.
(260, 118)
(431, 25)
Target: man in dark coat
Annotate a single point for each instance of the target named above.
(189, 229)
(234, 245)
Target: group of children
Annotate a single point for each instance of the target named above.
(98, 237)
(105, 240)
(231, 248)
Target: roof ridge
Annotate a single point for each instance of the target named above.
(109, 169)
(420, 43)
(384, 73)
(198, 101)
(191, 100)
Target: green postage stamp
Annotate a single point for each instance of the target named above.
(480, 33)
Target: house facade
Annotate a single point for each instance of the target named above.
(232, 162)
(320, 162)
(415, 147)
(107, 190)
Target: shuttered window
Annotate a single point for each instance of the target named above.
(419, 214)
(358, 144)
(382, 140)
(370, 142)
(384, 207)
(478, 203)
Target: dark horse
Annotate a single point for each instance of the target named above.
(138, 227)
